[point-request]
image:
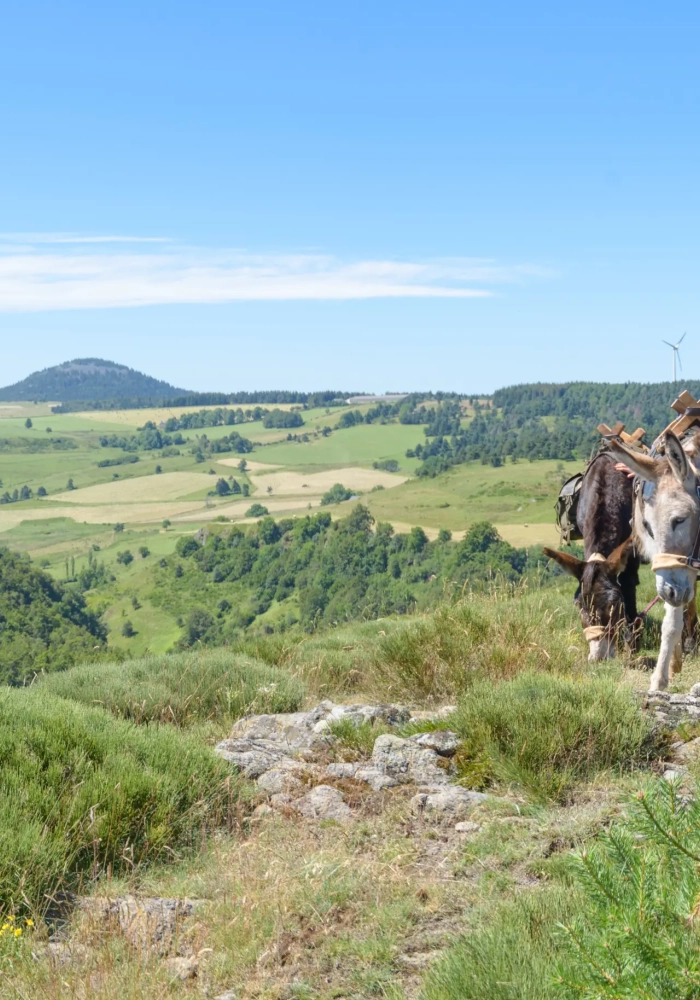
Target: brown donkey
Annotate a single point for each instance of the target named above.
(666, 531)
(608, 573)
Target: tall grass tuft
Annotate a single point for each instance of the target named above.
(498, 634)
(546, 733)
(512, 956)
(81, 791)
(182, 689)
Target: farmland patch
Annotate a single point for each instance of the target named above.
(168, 486)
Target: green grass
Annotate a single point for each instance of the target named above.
(183, 689)
(474, 492)
(359, 445)
(512, 956)
(494, 635)
(545, 733)
(81, 790)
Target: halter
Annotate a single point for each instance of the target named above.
(670, 560)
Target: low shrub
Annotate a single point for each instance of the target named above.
(81, 791)
(545, 733)
(183, 689)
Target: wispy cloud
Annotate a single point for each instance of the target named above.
(64, 271)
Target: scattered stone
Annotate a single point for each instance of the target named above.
(66, 952)
(260, 812)
(695, 691)
(675, 772)
(227, 995)
(404, 762)
(467, 826)
(181, 968)
(689, 751)
(670, 710)
(452, 800)
(259, 743)
(148, 923)
(442, 741)
(324, 802)
(343, 770)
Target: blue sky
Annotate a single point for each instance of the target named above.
(370, 195)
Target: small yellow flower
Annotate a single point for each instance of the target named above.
(18, 931)
(29, 922)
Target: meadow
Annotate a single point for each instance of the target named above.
(111, 787)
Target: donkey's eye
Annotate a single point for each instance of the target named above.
(677, 521)
(647, 528)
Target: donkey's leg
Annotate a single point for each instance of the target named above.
(629, 579)
(691, 635)
(671, 632)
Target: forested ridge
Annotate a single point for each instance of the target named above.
(317, 571)
(541, 421)
(43, 624)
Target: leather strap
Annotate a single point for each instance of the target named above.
(669, 560)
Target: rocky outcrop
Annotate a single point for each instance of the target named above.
(672, 709)
(149, 923)
(323, 802)
(259, 742)
(281, 753)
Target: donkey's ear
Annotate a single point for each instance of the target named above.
(569, 564)
(617, 560)
(643, 466)
(678, 460)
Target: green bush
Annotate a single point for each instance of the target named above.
(639, 935)
(627, 928)
(183, 689)
(80, 791)
(545, 733)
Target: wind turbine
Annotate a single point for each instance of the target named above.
(676, 355)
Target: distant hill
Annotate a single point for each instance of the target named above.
(88, 378)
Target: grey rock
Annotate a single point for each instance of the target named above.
(227, 995)
(148, 923)
(675, 772)
(66, 952)
(258, 743)
(405, 762)
(260, 812)
(323, 802)
(344, 769)
(695, 691)
(442, 741)
(449, 801)
(286, 776)
(689, 751)
(376, 779)
(467, 826)
(181, 968)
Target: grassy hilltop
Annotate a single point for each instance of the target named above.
(171, 569)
